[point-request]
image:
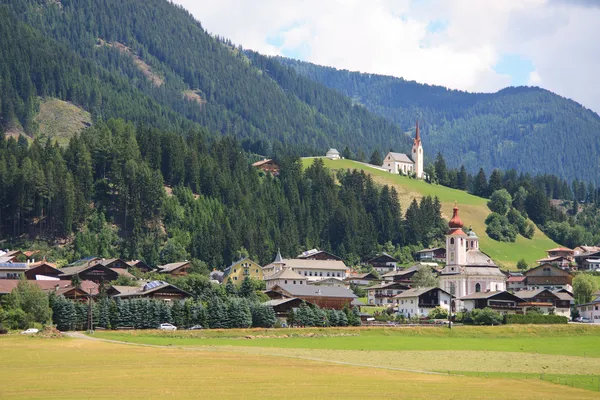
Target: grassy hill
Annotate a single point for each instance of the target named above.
(60, 120)
(473, 211)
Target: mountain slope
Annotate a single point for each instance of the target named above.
(160, 50)
(526, 128)
(473, 212)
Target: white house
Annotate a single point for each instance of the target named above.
(501, 301)
(590, 311)
(383, 295)
(313, 270)
(285, 276)
(333, 154)
(420, 301)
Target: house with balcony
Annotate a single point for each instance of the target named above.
(436, 254)
(383, 294)
(242, 269)
(548, 276)
(557, 302)
(501, 301)
(383, 263)
(420, 301)
(588, 261)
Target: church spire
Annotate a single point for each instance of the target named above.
(278, 258)
(418, 135)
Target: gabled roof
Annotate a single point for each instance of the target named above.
(430, 249)
(489, 295)
(148, 288)
(69, 271)
(416, 292)
(515, 279)
(172, 266)
(7, 285)
(478, 258)
(382, 255)
(314, 264)
(528, 294)
(389, 285)
(333, 151)
(313, 252)
(547, 266)
(12, 266)
(565, 249)
(262, 162)
(321, 291)
(285, 273)
(400, 157)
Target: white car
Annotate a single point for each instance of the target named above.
(167, 327)
(30, 331)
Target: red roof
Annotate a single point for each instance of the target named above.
(457, 232)
(515, 279)
(8, 285)
(455, 222)
(560, 249)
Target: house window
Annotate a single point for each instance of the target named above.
(477, 287)
(235, 270)
(446, 302)
(235, 278)
(451, 240)
(452, 287)
(328, 274)
(285, 281)
(305, 273)
(301, 282)
(452, 256)
(320, 274)
(294, 282)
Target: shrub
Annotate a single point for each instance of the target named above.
(500, 202)
(3, 330)
(487, 316)
(535, 319)
(438, 313)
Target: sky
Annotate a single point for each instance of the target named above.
(473, 45)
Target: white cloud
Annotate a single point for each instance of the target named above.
(392, 37)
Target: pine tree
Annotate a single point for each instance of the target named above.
(462, 180)
(480, 186)
(217, 314)
(376, 158)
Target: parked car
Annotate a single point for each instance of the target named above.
(30, 331)
(586, 320)
(196, 327)
(167, 327)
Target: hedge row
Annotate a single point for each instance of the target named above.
(534, 319)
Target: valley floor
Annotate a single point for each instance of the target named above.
(467, 362)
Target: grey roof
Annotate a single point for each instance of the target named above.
(383, 254)
(386, 285)
(277, 302)
(401, 157)
(486, 295)
(285, 273)
(76, 270)
(172, 266)
(278, 258)
(472, 234)
(564, 296)
(476, 257)
(333, 151)
(13, 266)
(416, 292)
(299, 263)
(431, 249)
(528, 294)
(309, 290)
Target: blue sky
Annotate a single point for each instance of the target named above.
(517, 67)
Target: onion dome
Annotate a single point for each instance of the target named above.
(455, 222)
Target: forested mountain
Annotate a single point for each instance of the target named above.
(151, 62)
(525, 128)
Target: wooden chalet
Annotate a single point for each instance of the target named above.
(558, 301)
(323, 296)
(140, 265)
(283, 306)
(267, 165)
(433, 254)
(151, 290)
(383, 294)
(501, 301)
(95, 273)
(383, 263)
(365, 279)
(83, 291)
(42, 269)
(588, 261)
(316, 254)
(175, 269)
(548, 276)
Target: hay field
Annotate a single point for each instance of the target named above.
(79, 368)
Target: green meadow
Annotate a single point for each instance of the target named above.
(473, 212)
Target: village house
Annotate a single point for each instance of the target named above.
(94, 272)
(586, 249)
(437, 254)
(284, 306)
(514, 283)
(397, 163)
(12, 270)
(330, 282)
(468, 269)
(420, 301)
(176, 268)
(363, 279)
(502, 301)
(561, 257)
(383, 294)
(588, 261)
(550, 302)
(285, 276)
(405, 275)
(42, 270)
(383, 263)
(82, 292)
(333, 154)
(312, 269)
(322, 296)
(140, 265)
(157, 290)
(548, 276)
(590, 311)
(267, 165)
(316, 254)
(242, 269)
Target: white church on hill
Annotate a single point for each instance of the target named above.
(396, 163)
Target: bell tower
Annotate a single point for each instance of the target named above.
(417, 154)
(456, 242)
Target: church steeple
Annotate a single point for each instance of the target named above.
(417, 153)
